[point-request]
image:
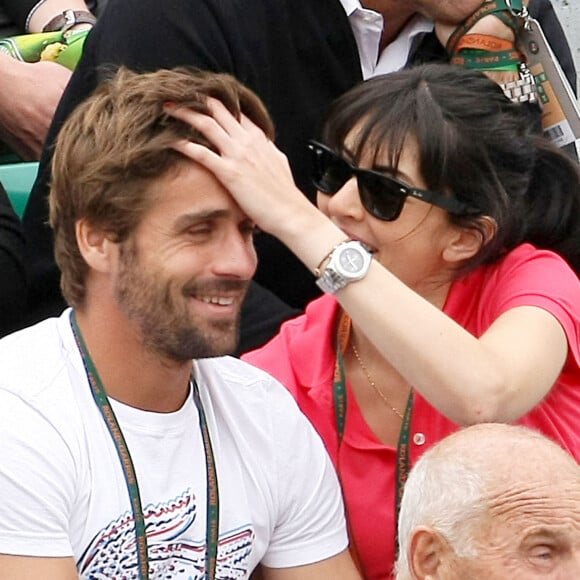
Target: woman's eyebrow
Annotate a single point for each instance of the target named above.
(386, 169)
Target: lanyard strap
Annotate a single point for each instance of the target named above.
(340, 406)
(212, 500)
(101, 399)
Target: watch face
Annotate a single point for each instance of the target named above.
(351, 260)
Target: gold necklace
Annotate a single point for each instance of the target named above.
(372, 383)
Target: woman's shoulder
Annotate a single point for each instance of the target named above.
(524, 265)
(534, 267)
(525, 276)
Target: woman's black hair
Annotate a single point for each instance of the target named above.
(474, 144)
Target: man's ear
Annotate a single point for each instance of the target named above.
(95, 245)
(466, 242)
(428, 549)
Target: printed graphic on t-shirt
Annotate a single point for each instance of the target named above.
(112, 553)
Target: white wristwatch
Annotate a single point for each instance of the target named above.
(348, 262)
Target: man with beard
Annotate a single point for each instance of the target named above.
(120, 457)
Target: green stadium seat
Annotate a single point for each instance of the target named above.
(18, 179)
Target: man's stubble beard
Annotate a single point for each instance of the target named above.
(159, 310)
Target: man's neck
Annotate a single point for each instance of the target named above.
(395, 13)
(130, 373)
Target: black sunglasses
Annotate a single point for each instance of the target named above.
(381, 195)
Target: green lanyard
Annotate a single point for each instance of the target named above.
(340, 398)
(104, 405)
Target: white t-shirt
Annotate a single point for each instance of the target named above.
(63, 491)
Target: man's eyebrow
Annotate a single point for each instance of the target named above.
(543, 532)
(189, 219)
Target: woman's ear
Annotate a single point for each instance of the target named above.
(466, 241)
(95, 245)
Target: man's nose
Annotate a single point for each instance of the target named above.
(237, 257)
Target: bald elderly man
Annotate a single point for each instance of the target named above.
(491, 502)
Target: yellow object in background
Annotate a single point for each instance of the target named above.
(62, 47)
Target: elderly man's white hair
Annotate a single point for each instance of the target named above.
(446, 489)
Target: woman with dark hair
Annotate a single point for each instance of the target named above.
(456, 299)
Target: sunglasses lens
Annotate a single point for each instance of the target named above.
(329, 172)
(380, 196)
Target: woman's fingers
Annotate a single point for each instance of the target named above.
(239, 142)
(220, 126)
(247, 163)
(234, 127)
(207, 125)
(200, 154)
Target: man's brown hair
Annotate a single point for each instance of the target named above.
(119, 140)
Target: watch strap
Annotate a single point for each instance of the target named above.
(522, 90)
(331, 281)
(67, 19)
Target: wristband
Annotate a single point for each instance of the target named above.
(68, 19)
